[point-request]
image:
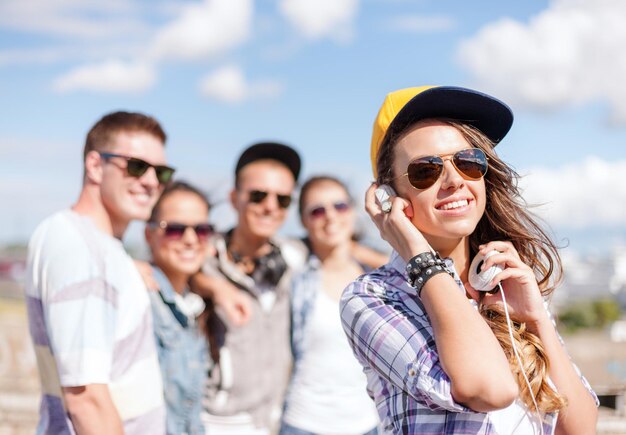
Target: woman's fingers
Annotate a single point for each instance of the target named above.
(506, 255)
(370, 199)
(394, 225)
(373, 209)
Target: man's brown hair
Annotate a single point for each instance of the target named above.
(101, 134)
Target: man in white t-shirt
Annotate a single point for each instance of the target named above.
(88, 307)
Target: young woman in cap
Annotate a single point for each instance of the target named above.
(437, 353)
(327, 393)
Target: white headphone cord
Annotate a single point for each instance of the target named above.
(519, 360)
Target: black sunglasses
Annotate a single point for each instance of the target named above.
(319, 211)
(258, 196)
(136, 167)
(425, 171)
(175, 231)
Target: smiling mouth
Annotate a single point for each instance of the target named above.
(454, 205)
(142, 196)
(188, 255)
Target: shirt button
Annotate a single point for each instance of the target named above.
(411, 372)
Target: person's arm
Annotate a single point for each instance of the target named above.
(92, 411)
(468, 352)
(581, 413)
(395, 340)
(526, 304)
(479, 371)
(234, 302)
(81, 319)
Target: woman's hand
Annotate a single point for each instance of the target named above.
(523, 296)
(395, 226)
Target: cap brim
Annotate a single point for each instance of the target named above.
(488, 114)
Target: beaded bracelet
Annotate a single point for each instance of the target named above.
(424, 266)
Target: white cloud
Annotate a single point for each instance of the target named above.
(321, 18)
(421, 23)
(204, 30)
(571, 53)
(74, 18)
(109, 76)
(586, 194)
(228, 84)
(10, 57)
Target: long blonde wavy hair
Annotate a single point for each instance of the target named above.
(506, 217)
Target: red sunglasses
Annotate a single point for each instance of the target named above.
(175, 231)
(320, 211)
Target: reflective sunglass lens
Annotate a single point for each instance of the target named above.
(341, 206)
(257, 196)
(423, 173)
(472, 163)
(204, 231)
(174, 231)
(317, 212)
(284, 201)
(164, 174)
(136, 167)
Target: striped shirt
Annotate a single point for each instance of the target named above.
(91, 323)
(391, 336)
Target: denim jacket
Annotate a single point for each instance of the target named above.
(183, 357)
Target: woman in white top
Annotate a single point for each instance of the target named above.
(327, 392)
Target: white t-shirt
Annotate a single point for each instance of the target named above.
(91, 323)
(329, 381)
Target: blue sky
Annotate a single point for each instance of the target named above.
(221, 74)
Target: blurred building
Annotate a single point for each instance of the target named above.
(592, 277)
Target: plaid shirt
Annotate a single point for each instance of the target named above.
(391, 336)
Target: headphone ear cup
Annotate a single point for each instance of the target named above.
(480, 280)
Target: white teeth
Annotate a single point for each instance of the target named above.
(454, 204)
(142, 197)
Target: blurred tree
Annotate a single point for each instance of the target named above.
(590, 314)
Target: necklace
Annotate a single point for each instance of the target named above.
(265, 269)
(246, 263)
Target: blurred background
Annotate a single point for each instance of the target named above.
(222, 74)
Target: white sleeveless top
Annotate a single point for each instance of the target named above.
(328, 391)
(517, 419)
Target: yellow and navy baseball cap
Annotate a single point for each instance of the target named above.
(404, 107)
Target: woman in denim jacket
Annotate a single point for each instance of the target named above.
(177, 235)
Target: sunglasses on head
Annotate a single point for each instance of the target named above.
(137, 167)
(175, 231)
(320, 211)
(258, 196)
(425, 171)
